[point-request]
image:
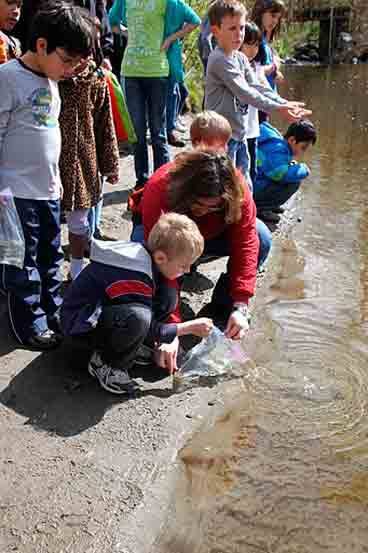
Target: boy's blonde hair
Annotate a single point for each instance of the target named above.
(209, 128)
(177, 236)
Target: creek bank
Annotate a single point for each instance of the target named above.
(84, 471)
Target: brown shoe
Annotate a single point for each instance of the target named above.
(175, 140)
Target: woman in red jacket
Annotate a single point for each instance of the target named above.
(204, 185)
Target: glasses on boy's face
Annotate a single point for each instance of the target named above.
(68, 61)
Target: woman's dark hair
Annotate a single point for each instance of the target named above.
(63, 26)
(252, 33)
(205, 173)
(262, 6)
(302, 131)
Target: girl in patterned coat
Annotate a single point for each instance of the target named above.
(89, 153)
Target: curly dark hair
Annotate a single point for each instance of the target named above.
(205, 173)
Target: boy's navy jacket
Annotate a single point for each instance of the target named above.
(119, 273)
(275, 159)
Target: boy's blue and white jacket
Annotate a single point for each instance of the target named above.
(275, 160)
(119, 272)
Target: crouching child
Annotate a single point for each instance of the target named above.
(120, 301)
(280, 170)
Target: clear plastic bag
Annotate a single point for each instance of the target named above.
(12, 245)
(214, 358)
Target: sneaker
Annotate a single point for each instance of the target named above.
(44, 341)
(116, 381)
(144, 356)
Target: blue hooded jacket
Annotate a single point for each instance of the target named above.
(275, 160)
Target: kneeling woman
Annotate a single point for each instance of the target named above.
(204, 185)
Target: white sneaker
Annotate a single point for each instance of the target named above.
(116, 381)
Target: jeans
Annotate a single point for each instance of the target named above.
(273, 194)
(34, 291)
(252, 150)
(122, 329)
(239, 155)
(176, 95)
(95, 212)
(146, 96)
(219, 247)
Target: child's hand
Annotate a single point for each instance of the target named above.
(166, 354)
(166, 44)
(106, 64)
(294, 111)
(279, 77)
(201, 327)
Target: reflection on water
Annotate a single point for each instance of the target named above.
(285, 468)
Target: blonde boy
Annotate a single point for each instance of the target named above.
(120, 300)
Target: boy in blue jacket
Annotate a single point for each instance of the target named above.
(121, 300)
(279, 172)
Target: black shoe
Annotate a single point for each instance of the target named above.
(99, 236)
(278, 209)
(269, 216)
(45, 341)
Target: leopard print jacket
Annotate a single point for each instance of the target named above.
(89, 145)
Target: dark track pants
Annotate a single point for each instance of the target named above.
(34, 291)
(121, 329)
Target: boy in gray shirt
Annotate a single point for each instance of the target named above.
(231, 84)
(60, 37)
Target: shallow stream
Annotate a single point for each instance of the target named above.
(285, 467)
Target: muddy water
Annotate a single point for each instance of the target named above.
(284, 468)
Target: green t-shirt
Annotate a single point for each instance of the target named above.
(143, 56)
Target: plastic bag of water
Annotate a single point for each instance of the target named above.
(214, 358)
(12, 246)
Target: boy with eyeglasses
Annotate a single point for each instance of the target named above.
(60, 37)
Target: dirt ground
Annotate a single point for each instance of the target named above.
(83, 471)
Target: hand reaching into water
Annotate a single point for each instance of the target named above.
(166, 356)
(237, 325)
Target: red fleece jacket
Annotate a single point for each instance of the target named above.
(242, 236)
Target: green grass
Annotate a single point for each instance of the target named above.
(296, 33)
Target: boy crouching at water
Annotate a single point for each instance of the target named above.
(120, 300)
(59, 37)
(280, 170)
